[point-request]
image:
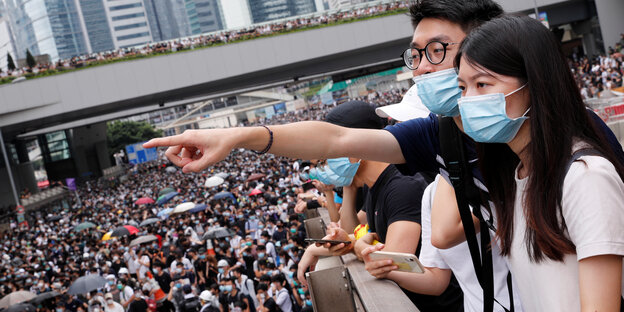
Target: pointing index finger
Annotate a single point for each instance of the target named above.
(166, 141)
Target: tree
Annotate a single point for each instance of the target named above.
(10, 63)
(122, 133)
(30, 60)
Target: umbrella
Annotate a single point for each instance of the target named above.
(124, 230)
(198, 208)
(222, 175)
(144, 200)
(255, 192)
(143, 239)
(166, 190)
(183, 207)
(84, 225)
(214, 181)
(149, 221)
(165, 212)
(219, 232)
(165, 198)
(171, 169)
(85, 284)
(45, 296)
(15, 298)
(107, 236)
(21, 307)
(256, 176)
(223, 195)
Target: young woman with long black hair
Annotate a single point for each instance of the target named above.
(560, 222)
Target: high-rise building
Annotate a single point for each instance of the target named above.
(97, 25)
(129, 22)
(236, 13)
(52, 27)
(339, 4)
(167, 19)
(204, 15)
(6, 44)
(264, 11)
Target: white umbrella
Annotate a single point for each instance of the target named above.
(214, 181)
(183, 207)
(222, 175)
(15, 298)
(171, 169)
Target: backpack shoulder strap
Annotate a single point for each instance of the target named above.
(580, 153)
(460, 174)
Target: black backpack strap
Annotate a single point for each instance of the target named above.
(580, 153)
(460, 174)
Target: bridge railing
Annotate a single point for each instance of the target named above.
(343, 284)
(43, 197)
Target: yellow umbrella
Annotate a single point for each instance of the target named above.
(107, 236)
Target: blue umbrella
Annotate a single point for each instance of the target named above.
(165, 198)
(223, 195)
(198, 208)
(164, 212)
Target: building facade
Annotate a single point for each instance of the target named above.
(52, 27)
(264, 11)
(236, 14)
(98, 28)
(129, 22)
(6, 44)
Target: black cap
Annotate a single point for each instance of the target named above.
(355, 114)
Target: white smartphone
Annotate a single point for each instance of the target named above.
(406, 262)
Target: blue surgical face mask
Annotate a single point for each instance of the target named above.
(485, 119)
(439, 91)
(228, 287)
(261, 255)
(341, 171)
(308, 302)
(221, 270)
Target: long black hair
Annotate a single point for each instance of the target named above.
(522, 47)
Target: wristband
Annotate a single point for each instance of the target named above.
(268, 147)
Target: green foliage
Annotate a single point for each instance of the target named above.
(10, 62)
(30, 60)
(122, 133)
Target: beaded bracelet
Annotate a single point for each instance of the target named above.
(268, 147)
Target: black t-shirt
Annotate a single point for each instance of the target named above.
(138, 306)
(395, 197)
(164, 281)
(166, 306)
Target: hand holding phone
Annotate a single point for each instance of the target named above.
(404, 261)
(326, 241)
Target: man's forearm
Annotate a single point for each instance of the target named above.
(320, 140)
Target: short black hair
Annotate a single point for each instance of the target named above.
(468, 14)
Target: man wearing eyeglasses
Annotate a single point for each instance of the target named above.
(439, 25)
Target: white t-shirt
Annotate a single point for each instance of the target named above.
(593, 210)
(142, 268)
(458, 260)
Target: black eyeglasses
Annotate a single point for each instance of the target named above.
(435, 51)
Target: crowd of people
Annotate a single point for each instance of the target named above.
(593, 76)
(222, 37)
(252, 267)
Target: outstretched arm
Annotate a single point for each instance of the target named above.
(195, 150)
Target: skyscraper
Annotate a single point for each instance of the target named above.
(129, 22)
(264, 11)
(52, 27)
(98, 28)
(235, 13)
(167, 19)
(204, 16)
(6, 43)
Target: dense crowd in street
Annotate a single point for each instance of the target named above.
(593, 76)
(253, 265)
(223, 37)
